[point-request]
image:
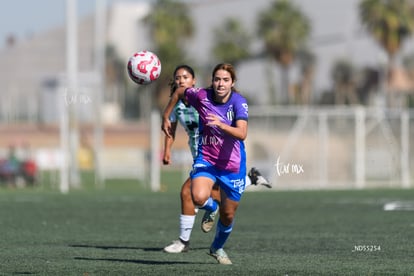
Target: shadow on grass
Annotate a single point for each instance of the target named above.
(109, 247)
(147, 262)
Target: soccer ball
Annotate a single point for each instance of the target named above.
(144, 67)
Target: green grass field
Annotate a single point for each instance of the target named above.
(121, 231)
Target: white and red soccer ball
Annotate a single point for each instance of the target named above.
(144, 67)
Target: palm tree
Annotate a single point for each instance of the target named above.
(116, 78)
(307, 66)
(232, 42)
(170, 25)
(343, 75)
(390, 22)
(408, 62)
(284, 29)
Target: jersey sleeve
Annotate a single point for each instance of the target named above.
(241, 109)
(191, 95)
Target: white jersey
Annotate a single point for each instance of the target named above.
(187, 116)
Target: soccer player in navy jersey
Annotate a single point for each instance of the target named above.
(188, 118)
(221, 157)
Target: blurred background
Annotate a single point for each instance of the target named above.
(330, 86)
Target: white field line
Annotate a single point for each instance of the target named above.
(399, 206)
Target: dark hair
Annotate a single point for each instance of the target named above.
(227, 67)
(172, 83)
(185, 67)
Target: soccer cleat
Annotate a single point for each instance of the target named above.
(257, 179)
(207, 222)
(177, 247)
(220, 255)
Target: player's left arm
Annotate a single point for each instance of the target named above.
(239, 131)
(168, 142)
(241, 114)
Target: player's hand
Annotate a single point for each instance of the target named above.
(166, 160)
(213, 120)
(166, 127)
(173, 87)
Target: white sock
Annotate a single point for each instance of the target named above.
(248, 181)
(186, 226)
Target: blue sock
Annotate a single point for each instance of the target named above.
(222, 233)
(210, 205)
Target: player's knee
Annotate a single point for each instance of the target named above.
(226, 217)
(185, 194)
(199, 199)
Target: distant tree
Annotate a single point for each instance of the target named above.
(284, 29)
(390, 22)
(232, 42)
(170, 25)
(408, 62)
(115, 67)
(344, 78)
(116, 79)
(368, 84)
(303, 92)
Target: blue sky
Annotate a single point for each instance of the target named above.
(26, 17)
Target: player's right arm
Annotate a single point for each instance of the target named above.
(166, 123)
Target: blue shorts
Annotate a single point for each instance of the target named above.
(233, 184)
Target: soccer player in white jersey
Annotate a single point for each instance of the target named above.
(188, 117)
